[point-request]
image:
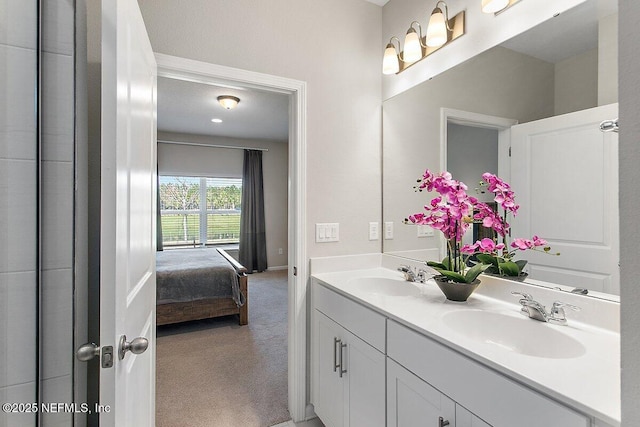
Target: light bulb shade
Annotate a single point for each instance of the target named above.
(437, 29)
(390, 61)
(493, 6)
(412, 48)
(229, 102)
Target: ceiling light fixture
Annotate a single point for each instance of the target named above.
(440, 31)
(216, 120)
(229, 102)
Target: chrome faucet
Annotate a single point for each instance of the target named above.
(534, 310)
(410, 274)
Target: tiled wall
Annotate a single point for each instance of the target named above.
(57, 166)
(18, 198)
(18, 202)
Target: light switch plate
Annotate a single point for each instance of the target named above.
(373, 231)
(388, 230)
(327, 232)
(425, 231)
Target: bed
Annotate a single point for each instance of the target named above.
(199, 283)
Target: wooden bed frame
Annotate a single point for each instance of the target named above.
(176, 312)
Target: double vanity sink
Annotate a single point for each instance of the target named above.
(574, 365)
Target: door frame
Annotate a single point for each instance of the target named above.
(467, 118)
(207, 73)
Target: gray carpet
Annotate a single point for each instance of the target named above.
(215, 373)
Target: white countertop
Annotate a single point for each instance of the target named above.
(589, 383)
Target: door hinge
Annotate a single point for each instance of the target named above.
(295, 271)
(509, 151)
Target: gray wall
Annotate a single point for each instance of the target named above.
(576, 83)
(224, 162)
(333, 45)
(629, 207)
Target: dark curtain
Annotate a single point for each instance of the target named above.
(253, 244)
(159, 245)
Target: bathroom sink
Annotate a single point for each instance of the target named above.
(517, 334)
(385, 286)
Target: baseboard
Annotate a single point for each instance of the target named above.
(278, 267)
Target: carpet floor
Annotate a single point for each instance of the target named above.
(215, 373)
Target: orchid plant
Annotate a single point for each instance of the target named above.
(500, 256)
(452, 214)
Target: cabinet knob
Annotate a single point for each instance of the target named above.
(442, 422)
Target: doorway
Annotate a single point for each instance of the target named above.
(199, 72)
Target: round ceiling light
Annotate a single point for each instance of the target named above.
(229, 102)
(216, 120)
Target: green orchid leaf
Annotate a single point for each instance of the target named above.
(449, 266)
(474, 272)
(456, 277)
(487, 259)
(510, 268)
(521, 263)
(437, 265)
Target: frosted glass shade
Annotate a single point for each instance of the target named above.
(493, 6)
(228, 102)
(390, 61)
(412, 48)
(437, 29)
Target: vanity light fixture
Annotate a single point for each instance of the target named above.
(229, 102)
(497, 6)
(413, 44)
(438, 28)
(440, 31)
(391, 59)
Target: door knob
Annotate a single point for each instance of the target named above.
(87, 352)
(136, 346)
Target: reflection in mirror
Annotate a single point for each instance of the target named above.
(529, 111)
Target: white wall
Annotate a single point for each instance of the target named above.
(629, 75)
(333, 45)
(225, 162)
(576, 83)
(483, 31)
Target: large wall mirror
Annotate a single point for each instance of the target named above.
(528, 110)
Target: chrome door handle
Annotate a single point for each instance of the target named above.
(342, 371)
(442, 422)
(87, 352)
(335, 354)
(136, 346)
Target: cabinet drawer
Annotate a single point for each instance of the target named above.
(499, 401)
(359, 320)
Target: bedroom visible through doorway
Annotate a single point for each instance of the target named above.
(200, 168)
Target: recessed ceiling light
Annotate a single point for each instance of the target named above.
(216, 120)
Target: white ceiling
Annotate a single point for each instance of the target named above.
(188, 107)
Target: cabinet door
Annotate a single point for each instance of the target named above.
(412, 402)
(465, 418)
(365, 379)
(328, 386)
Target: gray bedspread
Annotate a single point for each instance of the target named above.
(196, 273)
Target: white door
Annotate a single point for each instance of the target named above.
(128, 200)
(564, 171)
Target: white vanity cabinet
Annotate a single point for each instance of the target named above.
(348, 373)
(496, 399)
(411, 402)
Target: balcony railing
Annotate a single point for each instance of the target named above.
(183, 227)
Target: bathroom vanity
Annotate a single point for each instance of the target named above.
(387, 352)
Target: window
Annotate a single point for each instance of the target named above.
(199, 210)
